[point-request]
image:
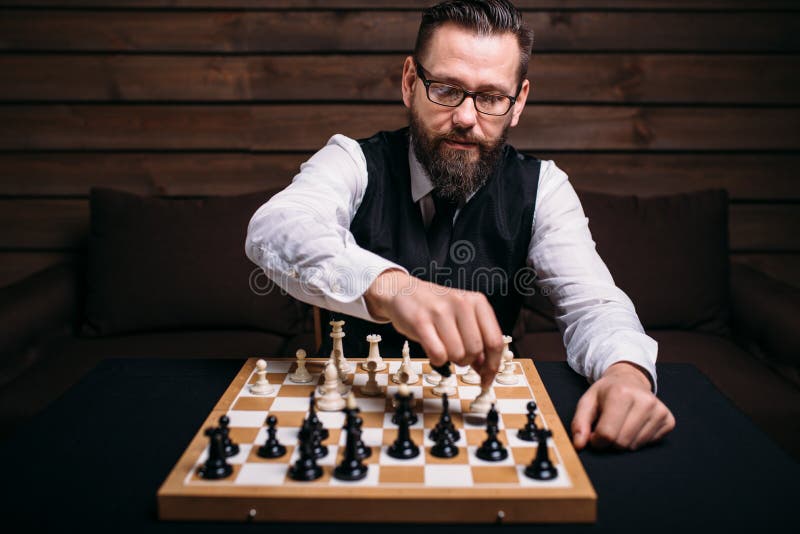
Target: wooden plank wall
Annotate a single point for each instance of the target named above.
(198, 97)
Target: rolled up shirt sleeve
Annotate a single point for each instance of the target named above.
(301, 237)
(597, 320)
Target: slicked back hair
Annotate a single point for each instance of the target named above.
(484, 17)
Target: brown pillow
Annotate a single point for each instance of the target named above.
(158, 263)
(668, 253)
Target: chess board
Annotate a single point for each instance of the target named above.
(464, 489)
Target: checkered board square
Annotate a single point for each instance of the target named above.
(261, 489)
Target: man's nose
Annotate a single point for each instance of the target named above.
(465, 115)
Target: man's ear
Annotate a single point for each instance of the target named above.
(408, 80)
(519, 105)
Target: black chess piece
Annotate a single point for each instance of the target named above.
(231, 448)
(403, 448)
(541, 467)
(528, 432)
(272, 448)
(311, 434)
(305, 467)
(445, 423)
(404, 404)
(351, 467)
(314, 420)
(492, 450)
(215, 466)
(362, 450)
(444, 446)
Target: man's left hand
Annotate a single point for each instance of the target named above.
(627, 413)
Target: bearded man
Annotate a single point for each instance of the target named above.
(430, 232)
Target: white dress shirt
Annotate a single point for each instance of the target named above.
(301, 239)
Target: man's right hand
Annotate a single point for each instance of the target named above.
(451, 324)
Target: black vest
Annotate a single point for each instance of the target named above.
(488, 248)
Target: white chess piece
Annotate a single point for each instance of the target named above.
(337, 334)
(331, 400)
(371, 388)
(374, 353)
(506, 342)
(301, 374)
(471, 376)
(341, 366)
(447, 385)
(405, 367)
(262, 385)
(483, 402)
(507, 377)
(433, 377)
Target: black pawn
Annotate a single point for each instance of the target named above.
(216, 466)
(231, 449)
(444, 447)
(361, 449)
(271, 448)
(314, 420)
(492, 449)
(541, 468)
(305, 468)
(445, 423)
(403, 448)
(351, 467)
(404, 405)
(528, 432)
(310, 434)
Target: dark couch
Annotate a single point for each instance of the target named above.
(169, 278)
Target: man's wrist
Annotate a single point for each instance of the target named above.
(633, 370)
(381, 292)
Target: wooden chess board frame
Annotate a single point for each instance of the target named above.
(311, 502)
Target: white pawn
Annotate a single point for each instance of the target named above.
(507, 377)
(374, 353)
(262, 385)
(341, 367)
(371, 388)
(433, 377)
(406, 368)
(471, 376)
(301, 374)
(447, 385)
(331, 400)
(483, 402)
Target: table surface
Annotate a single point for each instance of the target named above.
(98, 455)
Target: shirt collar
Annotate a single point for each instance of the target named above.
(421, 184)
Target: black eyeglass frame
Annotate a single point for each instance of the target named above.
(464, 93)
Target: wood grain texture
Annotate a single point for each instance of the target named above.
(307, 127)
(62, 224)
(761, 177)
(599, 78)
(414, 4)
(331, 31)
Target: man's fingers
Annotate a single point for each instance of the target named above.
(585, 414)
(448, 332)
(470, 335)
(492, 341)
(609, 424)
(637, 420)
(431, 344)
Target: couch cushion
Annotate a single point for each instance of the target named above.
(668, 253)
(164, 263)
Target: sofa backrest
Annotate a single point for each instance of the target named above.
(668, 253)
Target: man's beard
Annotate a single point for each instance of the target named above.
(454, 174)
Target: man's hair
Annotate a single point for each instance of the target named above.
(484, 17)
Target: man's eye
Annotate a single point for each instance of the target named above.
(492, 100)
(445, 92)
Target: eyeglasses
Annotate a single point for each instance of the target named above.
(451, 96)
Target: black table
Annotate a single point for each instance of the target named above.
(97, 456)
